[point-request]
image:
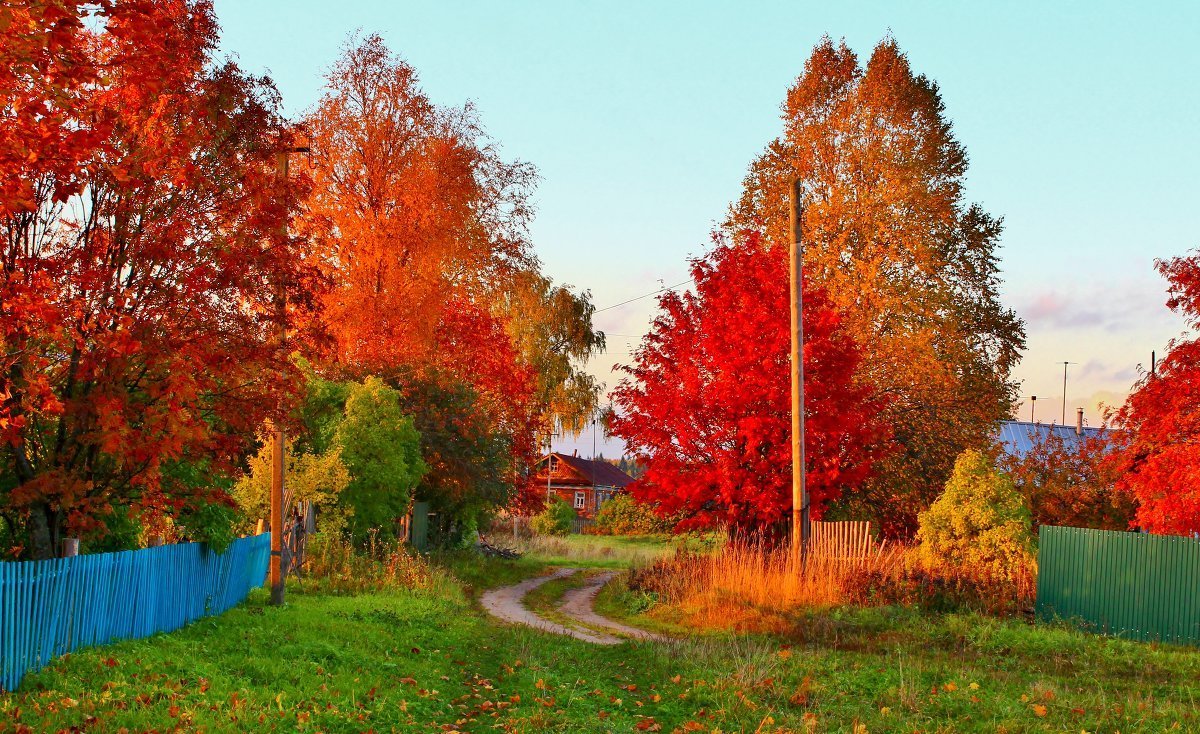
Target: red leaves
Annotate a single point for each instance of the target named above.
(707, 407)
(146, 339)
(1159, 454)
(1071, 483)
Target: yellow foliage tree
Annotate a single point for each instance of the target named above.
(911, 265)
(980, 523)
(315, 478)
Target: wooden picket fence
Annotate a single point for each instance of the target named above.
(48, 608)
(848, 542)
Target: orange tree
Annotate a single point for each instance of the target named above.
(139, 281)
(706, 406)
(1159, 448)
(423, 231)
(907, 261)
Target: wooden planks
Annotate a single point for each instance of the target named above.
(48, 608)
(841, 541)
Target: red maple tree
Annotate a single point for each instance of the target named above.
(707, 404)
(1159, 452)
(138, 294)
(1070, 483)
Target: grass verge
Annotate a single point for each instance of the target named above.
(428, 659)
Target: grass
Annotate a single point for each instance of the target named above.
(603, 551)
(429, 659)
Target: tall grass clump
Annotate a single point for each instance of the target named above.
(750, 583)
(334, 564)
(753, 585)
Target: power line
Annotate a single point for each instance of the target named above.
(638, 298)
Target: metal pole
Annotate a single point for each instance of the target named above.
(1064, 417)
(277, 465)
(800, 522)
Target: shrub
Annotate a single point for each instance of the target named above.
(338, 566)
(623, 515)
(916, 585)
(382, 451)
(979, 525)
(556, 519)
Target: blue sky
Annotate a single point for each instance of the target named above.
(1080, 119)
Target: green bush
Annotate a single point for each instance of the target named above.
(623, 515)
(556, 519)
(382, 449)
(980, 524)
(212, 524)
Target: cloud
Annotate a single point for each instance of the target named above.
(1112, 309)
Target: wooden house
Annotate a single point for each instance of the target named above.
(584, 483)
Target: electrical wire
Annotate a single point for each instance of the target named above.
(638, 298)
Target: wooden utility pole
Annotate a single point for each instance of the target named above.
(800, 523)
(277, 444)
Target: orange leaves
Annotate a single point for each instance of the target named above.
(802, 697)
(157, 307)
(411, 204)
(883, 178)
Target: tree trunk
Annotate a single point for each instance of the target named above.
(41, 535)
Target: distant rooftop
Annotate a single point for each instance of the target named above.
(1017, 437)
(600, 473)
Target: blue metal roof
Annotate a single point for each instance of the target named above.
(1017, 437)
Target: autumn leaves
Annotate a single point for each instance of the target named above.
(143, 267)
(909, 346)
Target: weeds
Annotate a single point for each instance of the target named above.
(755, 586)
(337, 566)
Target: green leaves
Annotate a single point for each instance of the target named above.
(382, 450)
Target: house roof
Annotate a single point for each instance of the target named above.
(600, 473)
(1017, 437)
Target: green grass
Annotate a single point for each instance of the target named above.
(604, 551)
(421, 660)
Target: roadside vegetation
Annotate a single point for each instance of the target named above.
(416, 653)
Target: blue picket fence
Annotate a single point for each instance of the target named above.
(48, 608)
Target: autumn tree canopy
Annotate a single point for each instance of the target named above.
(1071, 483)
(140, 266)
(1159, 440)
(706, 405)
(413, 204)
(909, 263)
(423, 230)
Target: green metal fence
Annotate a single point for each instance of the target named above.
(1143, 587)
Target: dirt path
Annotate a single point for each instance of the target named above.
(578, 605)
(506, 604)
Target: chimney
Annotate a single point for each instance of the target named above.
(1079, 422)
(576, 454)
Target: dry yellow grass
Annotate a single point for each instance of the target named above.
(754, 586)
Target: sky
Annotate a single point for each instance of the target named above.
(1080, 119)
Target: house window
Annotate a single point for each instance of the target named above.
(580, 500)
